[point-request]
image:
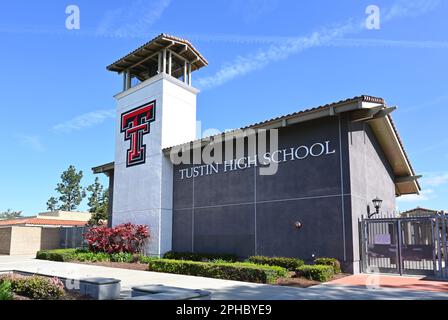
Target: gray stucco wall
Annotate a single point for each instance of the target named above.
(370, 176)
(244, 213)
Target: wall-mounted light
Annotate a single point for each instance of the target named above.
(298, 224)
(377, 205)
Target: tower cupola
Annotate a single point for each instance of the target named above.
(163, 54)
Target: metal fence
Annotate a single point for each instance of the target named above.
(71, 237)
(411, 245)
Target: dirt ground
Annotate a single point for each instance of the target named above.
(69, 295)
(302, 282)
(122, 265)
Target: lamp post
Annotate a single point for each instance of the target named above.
(377, 205)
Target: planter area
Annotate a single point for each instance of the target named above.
(257, 269)
(17, 286)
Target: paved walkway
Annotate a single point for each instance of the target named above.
(221, 289)
(390, 281)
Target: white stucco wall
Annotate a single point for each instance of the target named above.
(143, 193)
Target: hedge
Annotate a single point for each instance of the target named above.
(61, 255)
(91, 256)
(199, 256)
(288, 263)
(239, 271)
(320, 273)
(329, 262)
(65, 255)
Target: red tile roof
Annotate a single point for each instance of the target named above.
(42, 222)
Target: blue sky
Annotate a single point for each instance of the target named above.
(266, 58)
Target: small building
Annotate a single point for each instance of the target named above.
(416, 232)
(47, 230)
(418, 212)
(51, 219)
(330, 162)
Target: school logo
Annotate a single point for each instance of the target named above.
(135, 124)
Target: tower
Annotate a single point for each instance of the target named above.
(155, 110)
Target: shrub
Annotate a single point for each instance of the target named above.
(57, 255)
(288, 263)
(123, 257)
(35, 287)
(199, 256)
(91, 256)
(122, 238)
(5, 291)
(72, 255)
(316, 272)
(329, 262)
(240, 271)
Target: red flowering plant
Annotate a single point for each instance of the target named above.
(125, 237)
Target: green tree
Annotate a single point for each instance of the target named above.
(70, 190)
(9, 214)
(98, 202)
(52, 204)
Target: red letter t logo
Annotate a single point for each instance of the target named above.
(135, 124)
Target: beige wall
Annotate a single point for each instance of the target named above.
(66, 215)
(49, 238)
(27, 240)
(5, 240)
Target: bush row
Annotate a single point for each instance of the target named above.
(82, 255)
(290, 264)
(204, 257)
(256, 269)
(61, 255)
(239, 271)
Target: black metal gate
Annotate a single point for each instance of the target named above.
(412, 245)
(71, 237)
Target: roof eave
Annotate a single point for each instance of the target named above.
(104, 168)
(387, 136)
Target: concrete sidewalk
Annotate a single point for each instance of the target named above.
(221, 289)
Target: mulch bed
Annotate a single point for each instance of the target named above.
(121, 265)
(69, 295)
(301, 282)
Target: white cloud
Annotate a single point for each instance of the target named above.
(31, 141)
(138, 17)
(85, 120)
(251, 62)
(243, 65)
(389, 43)
(424, 195)
(436, 180)
(338, 42)
(409, 8)
(253, 10)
